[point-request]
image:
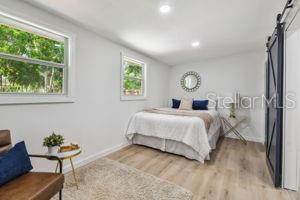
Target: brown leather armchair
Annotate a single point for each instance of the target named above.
(33, 185)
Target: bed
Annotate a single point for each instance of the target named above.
(187, 134)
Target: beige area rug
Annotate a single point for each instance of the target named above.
(106, 179)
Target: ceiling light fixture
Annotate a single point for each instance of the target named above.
(196, 44)
(165, 9)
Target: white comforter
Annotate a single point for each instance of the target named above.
(188, 130)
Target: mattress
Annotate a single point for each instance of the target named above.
(186, 136)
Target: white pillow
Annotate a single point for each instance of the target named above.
(186, 104)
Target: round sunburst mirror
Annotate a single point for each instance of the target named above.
(191, 81)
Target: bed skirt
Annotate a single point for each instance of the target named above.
(175, 147)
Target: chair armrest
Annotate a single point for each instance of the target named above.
(49, 157)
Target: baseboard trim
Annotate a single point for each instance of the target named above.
(248, 138)
(91, 158)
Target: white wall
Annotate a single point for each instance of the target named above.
(244, 73)
(291, 139)
(97, 119)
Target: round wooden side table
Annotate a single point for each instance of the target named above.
(69, 155)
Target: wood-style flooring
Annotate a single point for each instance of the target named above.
(235, 171)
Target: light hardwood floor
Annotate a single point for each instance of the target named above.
(235, 171)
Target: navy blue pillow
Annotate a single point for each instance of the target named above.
(200, 105)
(175, 103)
(14, 163)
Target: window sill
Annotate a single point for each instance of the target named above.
(133, 98)
(19, 100)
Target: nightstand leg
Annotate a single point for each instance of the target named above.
(236, 132)
(73, 170)
(240, 136)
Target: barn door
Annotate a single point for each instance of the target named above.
(274, 110)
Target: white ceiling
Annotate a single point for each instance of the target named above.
(223, 27)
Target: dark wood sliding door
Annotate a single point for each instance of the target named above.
(274, 104)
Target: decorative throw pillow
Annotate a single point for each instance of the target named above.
(186, 104)
(14, 163)
(175, 103)
(200, 104)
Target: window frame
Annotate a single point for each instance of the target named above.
(143, 79)
(67, 95)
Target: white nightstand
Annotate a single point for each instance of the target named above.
(230, 125)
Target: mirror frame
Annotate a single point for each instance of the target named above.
(198, 81)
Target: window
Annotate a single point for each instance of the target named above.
(33, 60)
(133, 81)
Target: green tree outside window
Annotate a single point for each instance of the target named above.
(25, 77)
(133, 79)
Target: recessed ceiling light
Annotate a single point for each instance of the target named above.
(196, 44)
(165, 9)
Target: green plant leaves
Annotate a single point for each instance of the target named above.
(53, 140)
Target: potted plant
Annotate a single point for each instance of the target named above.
(53, 142)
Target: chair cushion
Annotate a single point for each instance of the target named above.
(5, 141)
(33, 186)
(4, 149)
(14, 163)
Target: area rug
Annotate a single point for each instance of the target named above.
(106, 179)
